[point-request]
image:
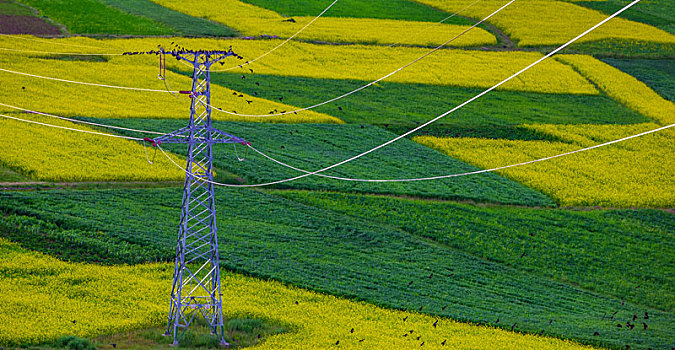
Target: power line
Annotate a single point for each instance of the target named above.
(72, 129)
(283, 43)
(442, 115)
(85, 83)
(371, 83)
(471, 172)
(62, 53)
(82, 121)
(48, 41)
(423, 178)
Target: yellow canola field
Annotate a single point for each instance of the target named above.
(50, 154)
(251, 20)
(637, 172)
(550, 22)
(477, 69)
(623, 88)
(45, 295)
(70, 99)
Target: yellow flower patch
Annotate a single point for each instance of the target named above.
(45, 296)
(623, 88)
(550, 22)
(251, 20)
(636, 172)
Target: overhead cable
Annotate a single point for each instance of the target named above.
(440, 116)
(371, 83)
(72, 129)
(470, 172)
(85, 83)
(282, 44)
(82, 121)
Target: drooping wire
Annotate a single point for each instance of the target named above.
(440, 116)
(83, 83)
(49, 41)
(61, 53)
(476, 172)
(373, 82)
(72, 129)
(82, 121)
(282, 44)
(471, 172)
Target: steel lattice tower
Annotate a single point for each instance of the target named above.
(196, 279)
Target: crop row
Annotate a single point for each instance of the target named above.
(315, 146)
(551, 22)
(324, 250)
(50, 298)
(252, 20)
(401, 107)
(633, 173)
(623, 88)
(477, 69)
(70, 99)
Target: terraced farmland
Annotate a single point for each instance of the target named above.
(399, 242)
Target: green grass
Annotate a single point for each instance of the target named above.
(657, 74)
(9, 175)
(94, 17)
(180, 23)
(390, 9)
(658, 13)
(405, 106)
(314, 146)
(271, 237)
(10, 8)
(560, 244)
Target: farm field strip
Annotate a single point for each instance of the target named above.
(658, 13)
(45, 153)
(657, 74)
(77, 17)
(314, 146)
(322, 250)
(401, 107)
(551, 22)
(69, 99)
(634, 173)
(623, 88)
(252, 20)
(559, 244)
(478, 69)
(394, 9)
(71, 296)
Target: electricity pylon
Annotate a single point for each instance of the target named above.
(196, 278)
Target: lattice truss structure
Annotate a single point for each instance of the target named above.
(196, 280)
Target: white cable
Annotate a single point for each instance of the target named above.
(48, 41)
(82, 121)
(83, 83)
(373, 82)
(71, 129)
(282, 44)
(62, 53)
(437, 118)
(471, 172)
(425, 178)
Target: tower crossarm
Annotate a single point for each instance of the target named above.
(201, 135)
